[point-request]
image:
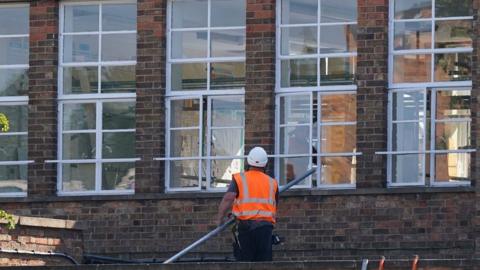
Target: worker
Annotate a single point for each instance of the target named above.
(254, 196)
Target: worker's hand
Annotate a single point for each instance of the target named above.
(219, 220)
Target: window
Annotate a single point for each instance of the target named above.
(205, 89)
(316, 92)
(14, 58)
(97, 98)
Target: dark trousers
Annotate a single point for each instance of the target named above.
(255, 244)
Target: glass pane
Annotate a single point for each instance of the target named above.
(118, 176)
(14, 20)
(13, 147)
(13, 178)
(337, 71)
(14, 51)
(453, 104)
(291, 168)
(79, 116)
(184, 173)
(453, 67)
(299, 40)
(118, 115)
(189, 76)
(449, 8)
(184, 113)
(338, 11)
(452, 167)
(228, 13)
(295, 140)
(228, 111)
(339, 108)
(299, 11)
(295, 109)
(80, 48)
(412, 68)
(119, 47)
(413, 9)
(189, 13)
(13, 82)
(339, 139)
(413, 35)
(118, 145)
(227, 142)
(184, 143)
(17, 116)
(408, 137)
(228, 43)
(227, 75)
(301, 72)
(408, 105)
(338, 170)
(81, 18)
(223, 170)
(453, 34)
(186, 44)
(80, 80)
(407, 168)
(79, 146)
(452, 135)
(118, 79)
(119, 17)
(78, 177)
(338, 38)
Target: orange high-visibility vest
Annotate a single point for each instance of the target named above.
(256, 196)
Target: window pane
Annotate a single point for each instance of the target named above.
(14, 51)
(79, 116)
(81, 18)
(457, 8)
(189, 76)
(189, 13)
(119, 47)
(338, 170)
(291, 168)
(118, 176)
(299, 40)
(184, 173)
(118, 79)
(228, 43)
(227, 142)
(17, 116)
(452, 167)
(412, 68)
(295, 109)
(453, 104)
(80, 80)
(299, 11)
(452, 135)
(453, 67)
(14, 20)
(228, 13)
(184, 143)
(227, 75)
(80, 48)
(338, 38)
(222, 171)
(339, 108)
(301, 72)
(453, 34)
(337, 71)
(339, 139)
(118, 115)
(13, 82)
(79, 146)
(408, 105)
(228, 111)
(78, 177)
(189, 44)
(119, 17)
(184, 113)
(13, 147)
(338, 11)
(118, 145)
(408, 137)
(13, 178)
(413, 9)
(413, 35)
(295, 140)
(407, 168)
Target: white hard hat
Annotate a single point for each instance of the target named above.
(257, 157)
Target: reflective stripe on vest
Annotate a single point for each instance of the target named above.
(254, 213)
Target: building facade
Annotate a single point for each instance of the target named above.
(132, 116)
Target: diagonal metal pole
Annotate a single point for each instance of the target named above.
(231, 221)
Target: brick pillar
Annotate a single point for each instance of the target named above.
(260, 76)
(42, 116)
(150, 113)
(372, 95)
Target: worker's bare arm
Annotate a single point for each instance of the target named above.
(225, 206)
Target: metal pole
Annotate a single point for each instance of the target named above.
(231, 221)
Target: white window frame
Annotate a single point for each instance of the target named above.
(97, 98)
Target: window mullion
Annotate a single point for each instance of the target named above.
(98, 150)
